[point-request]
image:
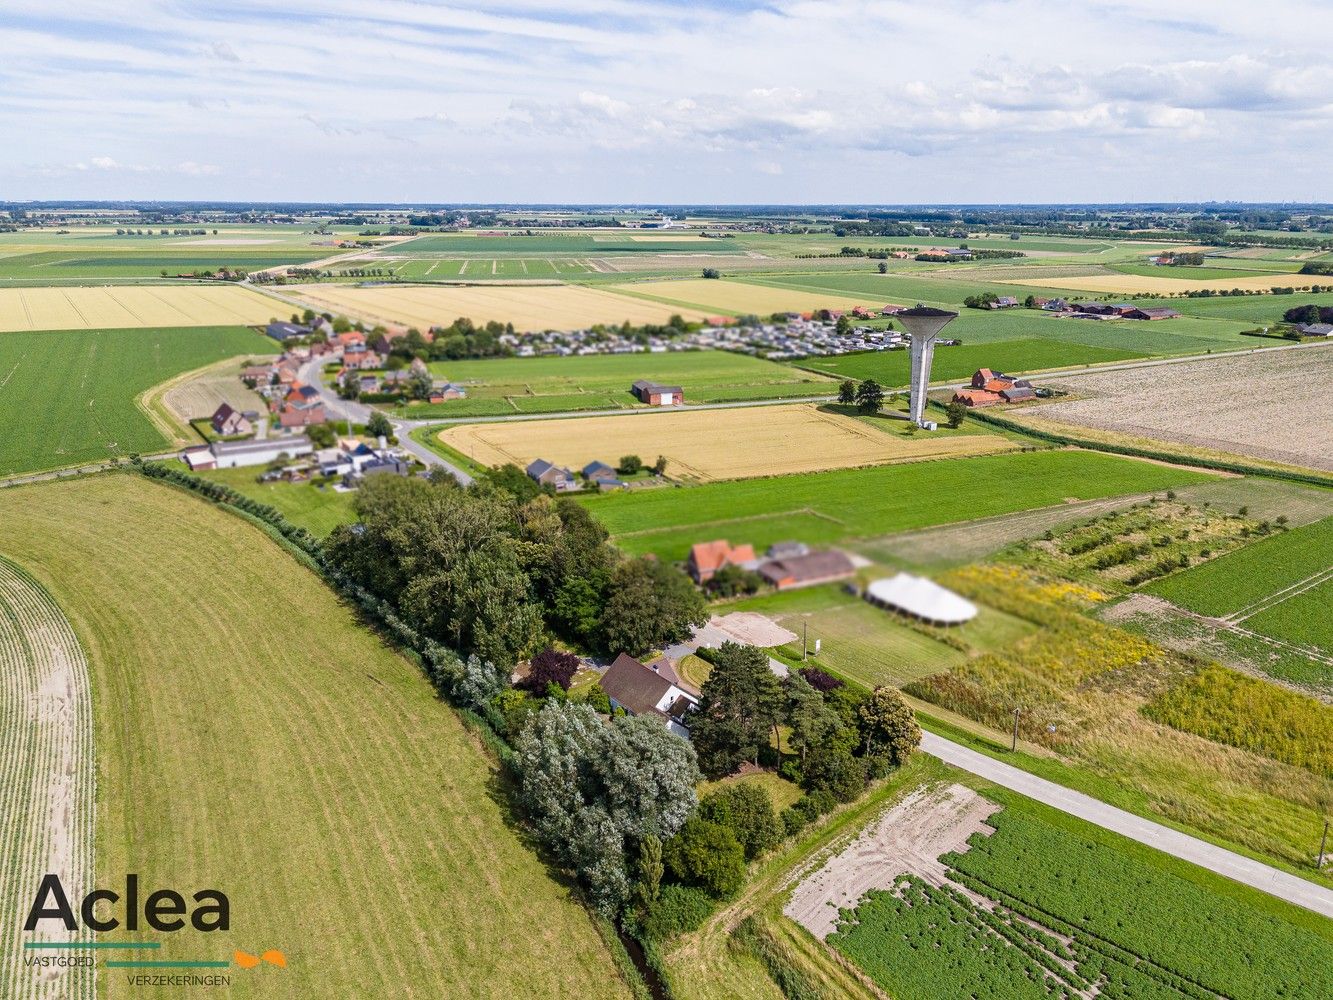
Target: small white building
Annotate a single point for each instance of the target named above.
(235, 454)
(643, 690)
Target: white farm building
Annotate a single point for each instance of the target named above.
(921, 598)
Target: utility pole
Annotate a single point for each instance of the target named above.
(1323, 842)
(805, 641)
(1014, 746)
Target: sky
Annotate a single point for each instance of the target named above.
(619, 102)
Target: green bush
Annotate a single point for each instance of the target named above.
(678, 909)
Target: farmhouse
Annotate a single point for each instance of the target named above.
(605, 477)
(921, 598)
(990, 387)
(235, 454)
(1315, 329)
(550, 474)
(230, 422)
(656, 394)
(1003, 302)
(443, 391)
(806, 570)
(641, 690)
(706, 558)
(293, 415)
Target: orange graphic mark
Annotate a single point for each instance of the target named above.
(273, 957)
(245, 960)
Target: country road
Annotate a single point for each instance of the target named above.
(1181, 845)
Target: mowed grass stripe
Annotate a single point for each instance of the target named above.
(1232, 582)
(855, 503)
(244, 744)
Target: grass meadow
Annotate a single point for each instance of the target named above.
(252, 736)
(69, 396)
(501, 386)
(827, 507)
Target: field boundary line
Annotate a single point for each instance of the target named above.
(1279, 596)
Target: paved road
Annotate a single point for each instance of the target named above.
(1181, 845)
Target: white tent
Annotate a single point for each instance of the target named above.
(921, 598)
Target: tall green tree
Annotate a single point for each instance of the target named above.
(740, 707)
(649, 605)
(888, 726)
(869, 396)
(812, 721)
(847, 392)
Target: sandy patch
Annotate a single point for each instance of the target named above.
(907, 839)
(753, 629)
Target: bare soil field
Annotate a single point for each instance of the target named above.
(528, 306)
(705, 445)
(83, 308)
(197, 394)
(47, 784)
(908, 839)
(1271, 406)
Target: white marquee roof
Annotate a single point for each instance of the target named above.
(923, 598)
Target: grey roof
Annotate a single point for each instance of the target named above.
(274, 444)
(633, 686)
(592, 468)
(1317, 329)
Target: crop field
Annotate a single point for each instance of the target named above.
(1212, 403)
(198, 394)
(952, 364)
(858, 503)
(706, 445)
(330, 794)
(1201, 273)
(1059, 907)
(741, 298)
(477, 269)
(47, 778)
(1255, 310)
(528, 307)
(1301, 618)
(1255, 576)
(580, 245)
(132, 305)
(502, 386)
(1230, 707)
(1136, 284)
(53, 265)
(69, 397)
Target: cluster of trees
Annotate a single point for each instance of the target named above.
(1316, 267)
(1184, 259)
(867, 396)
(840, 737)
(500, 567)
(981, 301)
(1309, 314)
(712, 272)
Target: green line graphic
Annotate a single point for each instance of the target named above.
(128, 963)
(91, 945)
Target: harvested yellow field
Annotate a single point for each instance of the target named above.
(528, 307)
(705, 445)
(133, 305)
(1136, 284)
(740, 297)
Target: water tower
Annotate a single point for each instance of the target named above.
(923, 325)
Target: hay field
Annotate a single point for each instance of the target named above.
(1269, 405)
(1138, 284)
(741, 297)
(120, 306)
(197, 394)
(706, 445)
(252, 736)
(528, 307)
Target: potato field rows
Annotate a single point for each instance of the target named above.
(46, 776)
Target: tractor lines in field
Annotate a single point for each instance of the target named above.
(47, 779)
(1277, 597)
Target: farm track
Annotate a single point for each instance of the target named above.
(47, 778)
(1277, 597)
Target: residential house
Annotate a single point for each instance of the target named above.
(641, 690)
(550, 474)
(444, 391)
(807, 570)
(291, 416)
(990, 387)
(235, 454)
(706, 558)
(1150, 312)
(1003, 302)
(1315, 329)
(655, 394)
(229, 422)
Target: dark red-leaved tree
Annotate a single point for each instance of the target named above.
(819, 680)
(552, 666)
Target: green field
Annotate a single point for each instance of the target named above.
(951, 364)
(500, 386)
(1190, 273)
(583, 245)
(1251, 575)
(473, 268)
(318, 510)
(68, 396)
(1303, 619)
(856, 503)
(252, 736)
(1139, 922)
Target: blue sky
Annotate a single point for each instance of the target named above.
(611, 101)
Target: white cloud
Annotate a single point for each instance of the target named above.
(851, 100)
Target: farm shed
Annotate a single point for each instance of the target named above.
(706, 558)
(921, 598)
(234, 454)
(550, 474)
(807, 570)
(656, 394)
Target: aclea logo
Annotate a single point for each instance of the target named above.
(163, 909)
